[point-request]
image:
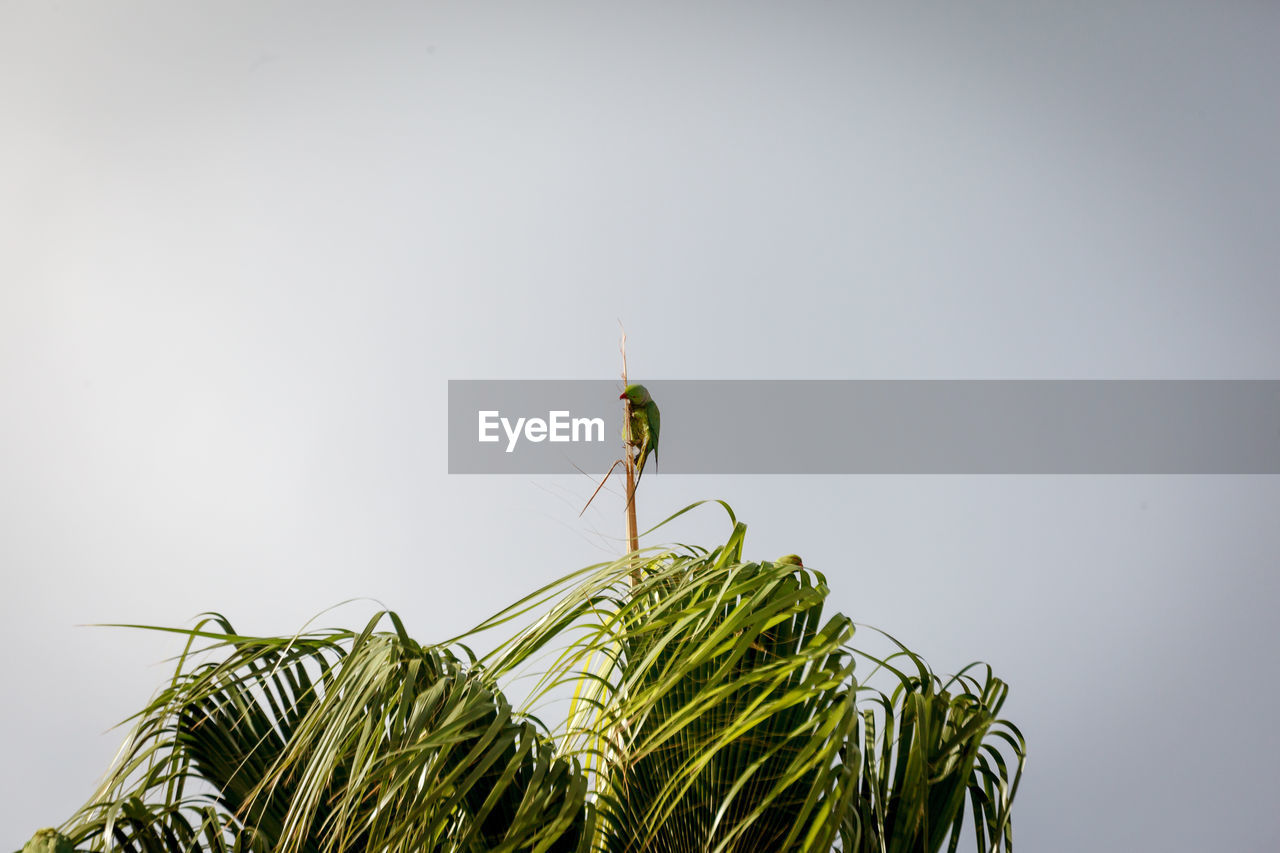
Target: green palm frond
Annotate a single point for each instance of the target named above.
(734, 698)
(929, 746)
(331, 742)
(712, 708)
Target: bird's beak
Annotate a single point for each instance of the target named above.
(622, 396)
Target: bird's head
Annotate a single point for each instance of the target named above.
(637, 394)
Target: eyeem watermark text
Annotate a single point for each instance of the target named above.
(558, 426)
(998, 427)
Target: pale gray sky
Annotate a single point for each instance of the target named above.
(246, 245)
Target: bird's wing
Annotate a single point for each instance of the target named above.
(655, 423)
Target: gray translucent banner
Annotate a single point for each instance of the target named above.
(875, 427)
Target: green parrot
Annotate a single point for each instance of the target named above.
(789, 560)
(645, 424)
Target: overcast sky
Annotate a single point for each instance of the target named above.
(245, 245)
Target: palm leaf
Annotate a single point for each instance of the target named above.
(929, 746)
(712, 707)
(715, 705)
(338, 741)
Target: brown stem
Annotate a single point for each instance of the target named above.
(633, 535)
(629, 465)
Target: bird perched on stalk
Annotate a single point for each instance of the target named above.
(645, 424)
(789, 560)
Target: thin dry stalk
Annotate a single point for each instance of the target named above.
(629, 465)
